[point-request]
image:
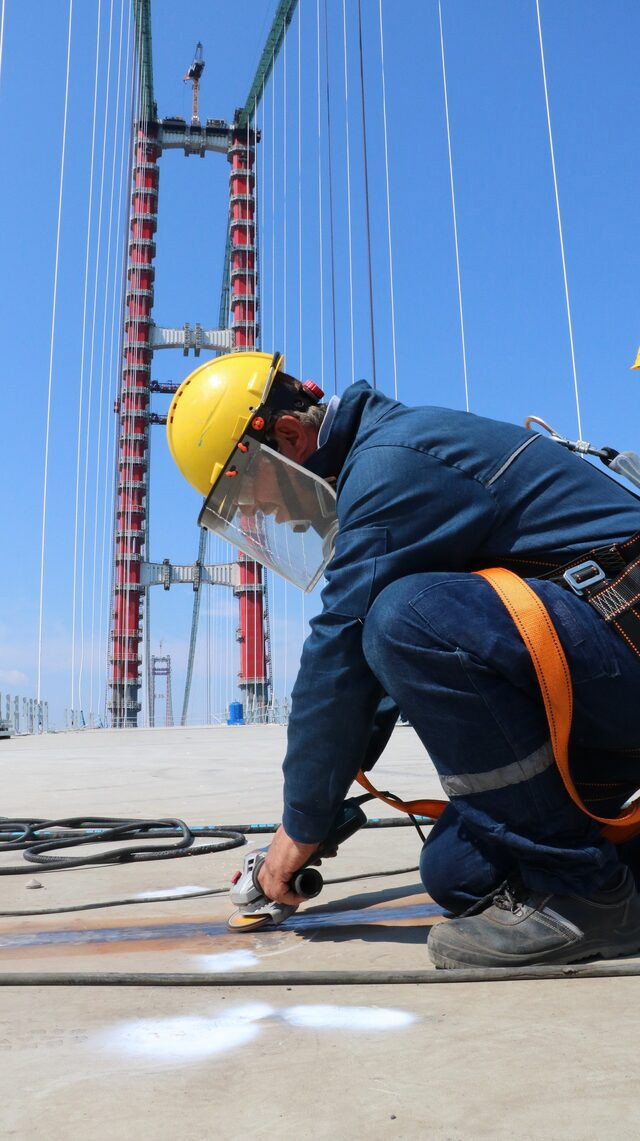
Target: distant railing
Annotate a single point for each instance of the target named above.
(20, 715)
(23, 715)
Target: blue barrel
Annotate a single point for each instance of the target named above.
(235, 713)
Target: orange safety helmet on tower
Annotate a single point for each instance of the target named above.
(271, 508)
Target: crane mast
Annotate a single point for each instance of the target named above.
(193, 76)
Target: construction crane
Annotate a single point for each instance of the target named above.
(193, 76)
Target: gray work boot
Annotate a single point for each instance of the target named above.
(520, 928)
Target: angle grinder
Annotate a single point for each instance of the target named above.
(253, 909)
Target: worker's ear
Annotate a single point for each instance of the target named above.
(295, 440)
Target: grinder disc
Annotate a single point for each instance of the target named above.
(240, 922)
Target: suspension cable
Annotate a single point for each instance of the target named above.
(366, 196)
(259, 227)
(257, 571)
(261, 207)
(320, 236)
(273, 201)
(259, 184)
(284, 191)
(300, 338)
(257, 251)
(284, 275)
(217, 638)
(331, 237)
(273, 701)
(453, 209)
(1, 37)
(386, 168)
(285, 665)
(90, 397)
(51, 352)
(560, 233)
(207, 671)
(348, 154)
(82, 365)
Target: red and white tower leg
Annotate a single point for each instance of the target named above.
(252, 632)
(133, 442)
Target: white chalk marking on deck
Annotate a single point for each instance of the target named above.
(187, 1038)
(322, 1016)
(225, 961)
(190, 1038)
(161, 893)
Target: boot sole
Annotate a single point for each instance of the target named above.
(560, 955)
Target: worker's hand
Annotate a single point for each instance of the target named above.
(284, 858)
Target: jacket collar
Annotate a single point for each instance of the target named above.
(329, 459)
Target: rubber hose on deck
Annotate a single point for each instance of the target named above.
(227, 979)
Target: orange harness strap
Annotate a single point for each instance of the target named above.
(433, 808)
(552, 670)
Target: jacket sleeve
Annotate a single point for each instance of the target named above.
(400, 511)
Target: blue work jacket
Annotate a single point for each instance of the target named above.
(421, 489)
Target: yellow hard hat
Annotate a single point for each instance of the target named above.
(213, 409)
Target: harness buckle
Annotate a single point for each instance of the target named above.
(583, 576)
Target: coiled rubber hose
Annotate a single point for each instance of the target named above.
(37, 838)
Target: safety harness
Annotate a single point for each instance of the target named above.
(609, 579)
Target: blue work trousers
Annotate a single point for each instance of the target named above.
(445, 648)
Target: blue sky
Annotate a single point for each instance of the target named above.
(513, 296)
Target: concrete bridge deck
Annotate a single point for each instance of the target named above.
(535, 1059)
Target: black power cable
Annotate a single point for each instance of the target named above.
(181, 896)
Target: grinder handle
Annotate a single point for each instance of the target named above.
(307, 882)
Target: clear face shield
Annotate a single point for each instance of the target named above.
(276, 512)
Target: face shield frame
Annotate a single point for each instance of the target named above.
(296, 536)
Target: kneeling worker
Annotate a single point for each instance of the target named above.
(397, 506)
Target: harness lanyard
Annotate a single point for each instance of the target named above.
(433, 808)
(539, 635)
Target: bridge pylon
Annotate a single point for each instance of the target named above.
(133, 572)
